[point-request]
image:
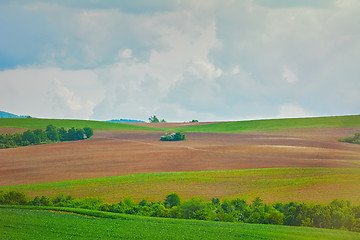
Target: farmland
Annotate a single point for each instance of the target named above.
(311, 185)
(278, 160)
(116, 152)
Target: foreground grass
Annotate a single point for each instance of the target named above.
(35, 224)
(310, 185)
(275, 124)
(37, 123)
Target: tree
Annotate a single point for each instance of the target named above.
(80, 134)
(52, 133)
(153, 119)
(29, 136)
(62, 134)
(88, 132)
(172, 200)
(71, 134)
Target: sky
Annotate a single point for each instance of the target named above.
(209, 60)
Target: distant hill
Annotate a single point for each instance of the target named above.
(10, 115)
(125, 121)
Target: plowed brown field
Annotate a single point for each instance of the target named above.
(114, 153)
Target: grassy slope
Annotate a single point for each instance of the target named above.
(312, 185)
(229, 127)
(275, 124)
(35, 224)
(35, 123)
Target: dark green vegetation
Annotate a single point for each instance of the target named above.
(310, 185)
(154, 119)
(352, 139)
(275, 124)
(173, 137)
(36, 224)
(38, 136)
(336, 215)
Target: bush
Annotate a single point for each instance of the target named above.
(351, 139)
(13, 198)
(173, 137)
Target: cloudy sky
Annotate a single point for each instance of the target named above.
(180, 60)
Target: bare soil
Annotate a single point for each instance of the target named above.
(116, 152)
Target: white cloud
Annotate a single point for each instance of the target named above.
(204, 70)
(72, 102)
(290, 110)
(235, 70)
(126, 53)
(50, 92)
(289, 75)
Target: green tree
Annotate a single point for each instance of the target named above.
(189, 207)
(88, 132)
(41, 135)
(71, 134)
(30, 137)
(52, 133)
(80, 134)
(153, 119)
(172, 200)
(62, 134)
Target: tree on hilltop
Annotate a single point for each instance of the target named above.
(153, 119)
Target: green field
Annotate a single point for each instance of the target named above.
(276, 124)
(226, 127)
(35, 224)
(311, 185)
(37, 123)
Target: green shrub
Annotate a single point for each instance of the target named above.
(173, 137)
(351, 139)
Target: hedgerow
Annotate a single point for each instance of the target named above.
(38, 136)
(339, 214)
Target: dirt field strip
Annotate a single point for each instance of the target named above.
(118, 152)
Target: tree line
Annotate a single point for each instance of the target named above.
(339, 214)
(39, 136)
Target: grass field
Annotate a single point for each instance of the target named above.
(311, 185)
(37, 123)
(36, 224)
(275, 124)
(226, 127)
